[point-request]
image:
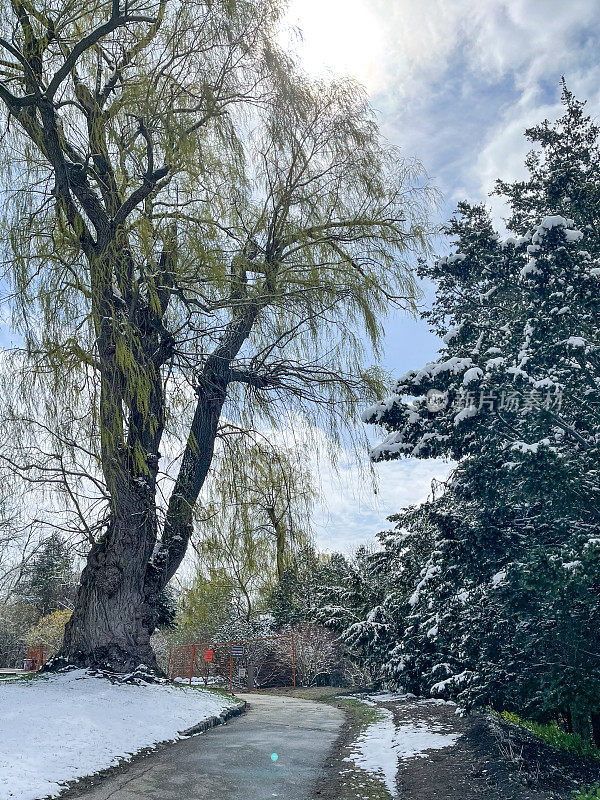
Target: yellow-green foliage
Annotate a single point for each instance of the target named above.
(49, 631)
(203, 607)
(222, 213)
(554, 736)
(257, 517)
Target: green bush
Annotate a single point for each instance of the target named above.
(49, 631)
(555, 737)
(588, 794)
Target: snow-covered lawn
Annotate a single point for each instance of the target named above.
(379, 748)
(58, 728)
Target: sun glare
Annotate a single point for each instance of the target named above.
(339, 36)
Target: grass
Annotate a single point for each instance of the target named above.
(556, 738)
(304, 694)
(365, 715)
(28, 676)
(354, 781)
(319, 694)
(222, 692)
(593, 793)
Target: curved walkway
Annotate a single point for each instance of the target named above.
(233, 761)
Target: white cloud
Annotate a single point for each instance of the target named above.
(464, 79)
(456, 82)
(354, 502)
(497, 37)
(350, 513)
(505, 147)
(504, 151)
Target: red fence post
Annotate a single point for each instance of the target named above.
(275, 660)
(192, 664)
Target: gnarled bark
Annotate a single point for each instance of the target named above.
(113, 620)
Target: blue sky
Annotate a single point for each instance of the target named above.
(454, 83)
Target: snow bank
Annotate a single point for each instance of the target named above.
(58, 728)
(378, 749)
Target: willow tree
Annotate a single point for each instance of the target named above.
(255, 515)
(194, 233)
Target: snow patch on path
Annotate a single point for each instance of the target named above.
(59, 728)
(379, 748)
(395, 697)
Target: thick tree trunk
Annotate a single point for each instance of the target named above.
(115, 611)
(113, 620)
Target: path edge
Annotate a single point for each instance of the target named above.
(81, 786)
(212, 722)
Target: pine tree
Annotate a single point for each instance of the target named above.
(495, 597)
(295, 598)
(49, 581)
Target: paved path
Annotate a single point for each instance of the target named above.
(233, 761)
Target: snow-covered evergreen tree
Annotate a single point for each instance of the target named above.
(350, 603)
(495, 594)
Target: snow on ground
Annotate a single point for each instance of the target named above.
(57, 728)
(212, 679)
(387, 697)
(395, 697)
(379, 748)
